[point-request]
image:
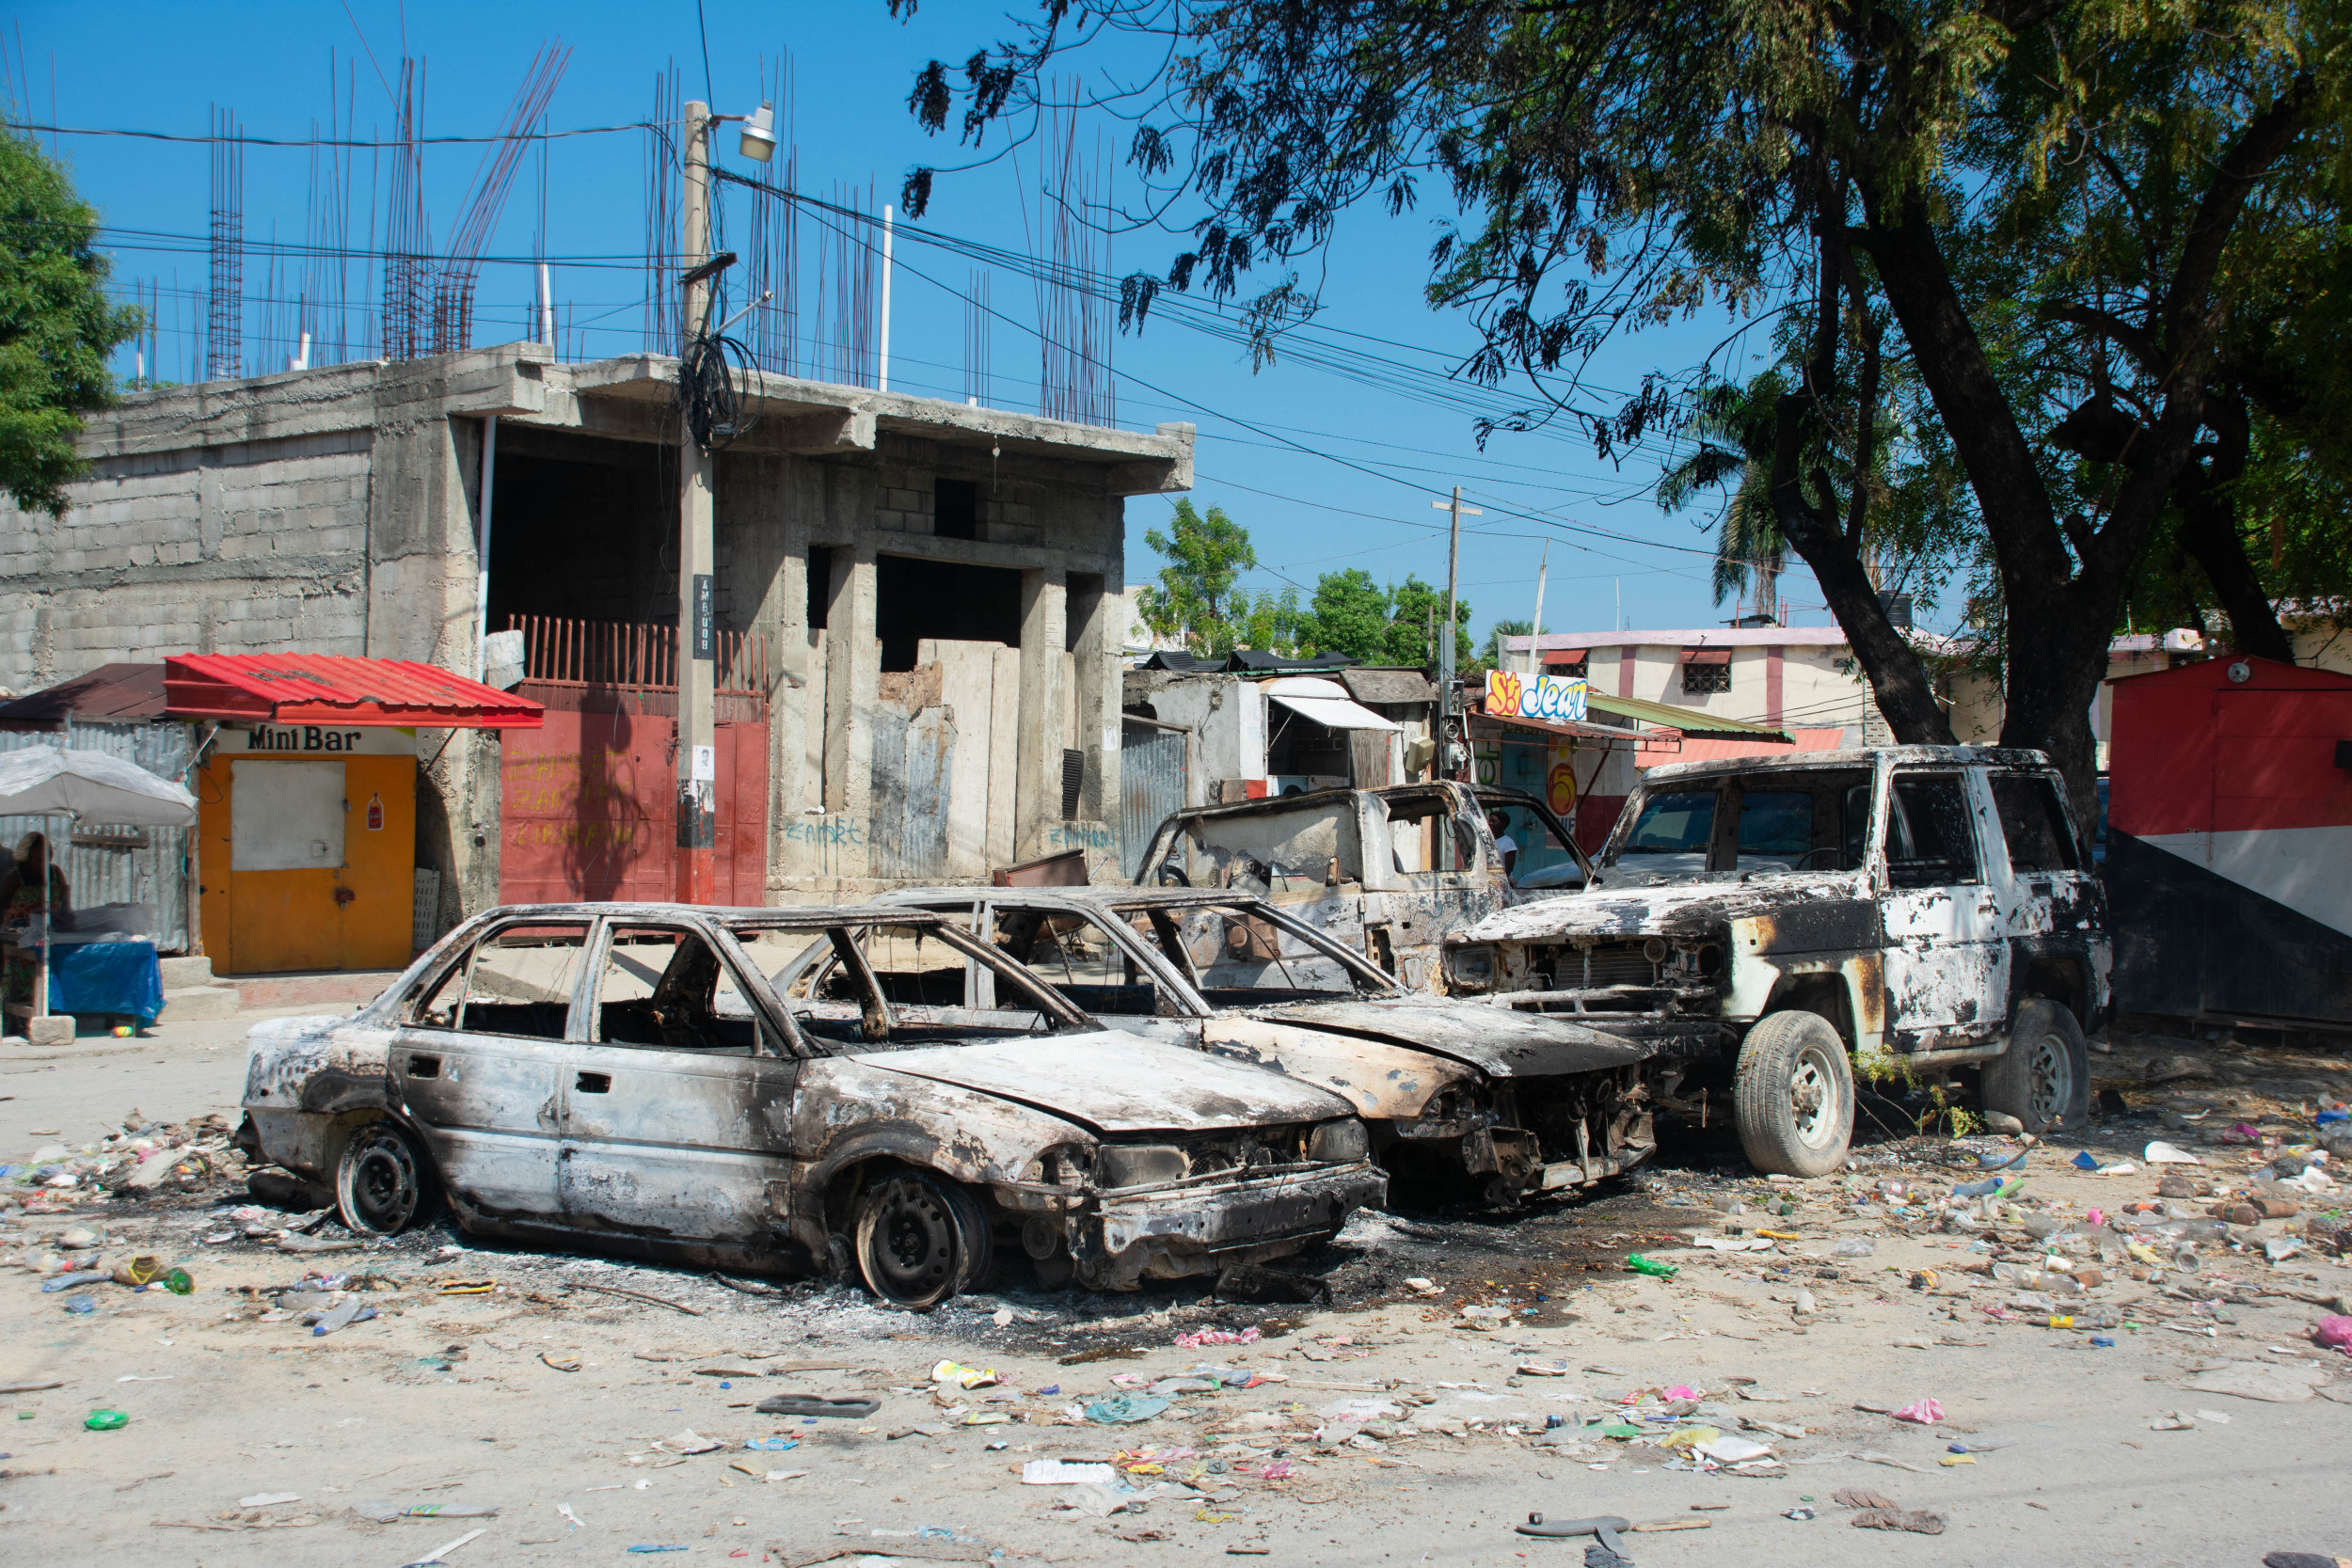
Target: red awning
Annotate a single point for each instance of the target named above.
(1706, 656)
(328, 688)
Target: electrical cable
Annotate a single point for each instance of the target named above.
(707, 391)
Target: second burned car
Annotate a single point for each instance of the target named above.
(1515, 1103)
(623, 1076)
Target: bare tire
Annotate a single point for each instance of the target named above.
(914, 1243)
(2042, 1077)
(384, 1184)
(1794, 1097)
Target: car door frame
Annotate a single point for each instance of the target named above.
(458, 1156)
(1947, 985)
(748, 1193)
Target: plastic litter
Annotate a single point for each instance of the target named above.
(1656, 1270)
(1063, 1472)
(269, 1499)
(106, 1420)
(1921, 1412)
(439, 1552)
(772, 1445)
(964, 1377)
(81, 1306)
(69, 1281)
(2335, 1333)
(2162, 1153)
(1217, 1337)
(1125, 1409)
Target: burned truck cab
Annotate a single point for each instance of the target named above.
(1772, 925)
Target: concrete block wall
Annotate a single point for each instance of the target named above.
(250, 547)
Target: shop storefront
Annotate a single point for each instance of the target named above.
(307, 800)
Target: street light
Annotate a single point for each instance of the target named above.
(760, 135)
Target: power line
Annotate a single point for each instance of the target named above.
(329, 141)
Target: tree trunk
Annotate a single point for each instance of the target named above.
(2209, 531)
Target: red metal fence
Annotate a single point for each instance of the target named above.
(588, 801)
(621, 653)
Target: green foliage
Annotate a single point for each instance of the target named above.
(1493, 654)
(57, 327)
(1271, 624)
(1205, 557)
(1354, 615)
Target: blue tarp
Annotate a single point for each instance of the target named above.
(107, 978)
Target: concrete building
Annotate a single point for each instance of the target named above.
(921, 599)
(1783, 677)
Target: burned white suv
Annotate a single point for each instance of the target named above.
(1769, 924)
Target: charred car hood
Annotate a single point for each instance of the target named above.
(1116, 1084)
(1655, 910)
(1496, 1040)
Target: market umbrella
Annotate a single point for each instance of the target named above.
(87, 787)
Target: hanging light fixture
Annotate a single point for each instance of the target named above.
(760, 135)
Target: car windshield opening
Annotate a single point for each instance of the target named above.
(1078, 958)
(1243, 959)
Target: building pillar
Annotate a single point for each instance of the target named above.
(1098, 645)
(852, 668)
(1774, 658)
(1044, 630)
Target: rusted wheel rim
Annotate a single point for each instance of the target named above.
(914, 1243)
(1813, 1098)
(383, 1183)
(2050, 1075)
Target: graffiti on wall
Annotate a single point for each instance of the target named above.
(1549, 697)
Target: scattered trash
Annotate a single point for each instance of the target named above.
(561, 1363)
(1854, 1246)
(1063, 1472)
(817, 1404)
(1639, 1264)
(441, 1552)
(1802, 1514)
(1125, 1409)
(81, 1306)
(2162, 1153)
(106, 1420)
(1604, 1528)
(269, 1499)
(964, 1377)
(1217, 1337)
(1924, 1412)
(2255, 1380)
(451, 1511)
(2333, 1333)
(688, 1441)
(772, 1445)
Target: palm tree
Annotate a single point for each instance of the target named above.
(1494, 639)
(1734, 429)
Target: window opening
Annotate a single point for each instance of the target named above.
(915, 599)
(665, 988)
(2032, 824)
(955, 509)
(819, 586)
(515, 982)
(1928, 839)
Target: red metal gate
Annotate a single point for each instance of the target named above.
(588, 801)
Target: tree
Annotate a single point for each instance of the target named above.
(1501, 629)
(1272, 624)
(1205, 557)
(1354, 615)
(1929, 186)
(56, 325)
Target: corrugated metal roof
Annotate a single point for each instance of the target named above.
(115, 692)
(1388, 686)
(1689, 720)
(332, 688)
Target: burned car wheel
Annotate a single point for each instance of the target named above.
(383, 1184)
(2042, 1077)
(920, 1239)
(1795, 1096)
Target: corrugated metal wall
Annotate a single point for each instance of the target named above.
(155, 874)
(1151, 788)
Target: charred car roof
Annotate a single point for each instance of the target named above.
(1858, 756)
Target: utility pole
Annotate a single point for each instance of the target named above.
(697, 650)
(1535, 658)
(1446, 703)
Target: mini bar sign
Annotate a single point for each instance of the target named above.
(705, 618)
(316, 740)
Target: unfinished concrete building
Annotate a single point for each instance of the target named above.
(919, 669)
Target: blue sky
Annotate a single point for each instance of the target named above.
(1327, 471)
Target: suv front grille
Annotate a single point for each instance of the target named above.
(1615, 963)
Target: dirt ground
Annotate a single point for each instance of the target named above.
(1404, 1419)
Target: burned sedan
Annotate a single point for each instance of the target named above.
(1770, 925)
(1449, 1090)
(621, 1075)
